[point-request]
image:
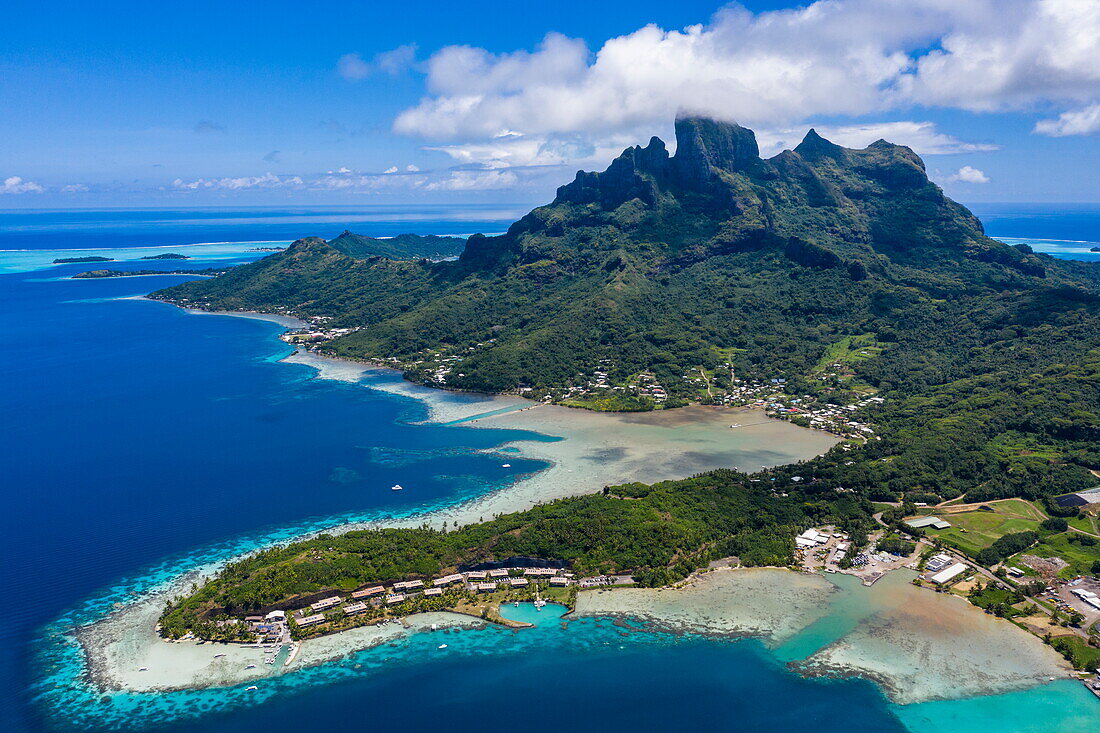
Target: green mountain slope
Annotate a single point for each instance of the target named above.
(713, 269)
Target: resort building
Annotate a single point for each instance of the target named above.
(433, 592)
(447, 580)
(395, 598)
(327, 603)
(276, 616)
(368, 592)
(486, 587)
(408, 585)
(354, 608)
(559, 581)
(498, 573)
(519, 582)
(949, 574)
(476, 575)
(311, 620)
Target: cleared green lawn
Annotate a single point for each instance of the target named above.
(976, 530)
(1083, 523)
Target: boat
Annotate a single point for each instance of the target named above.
(516, 604)
(219, 655)
(251, 666)
(397, 487)
(506, 465)
(250, 688)
(143, 669)
(442, 646)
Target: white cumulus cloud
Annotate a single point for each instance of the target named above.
(15, 184)
(772, 71)
(474, 181)
(969, 174)
(268, 180)
(1084, 121)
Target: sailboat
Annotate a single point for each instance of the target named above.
(397, 487)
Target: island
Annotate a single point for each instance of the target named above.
(167, 256)
(71, 260)
(1094, 249)
(206, 272)
(836, 288)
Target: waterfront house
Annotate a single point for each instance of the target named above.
(430, 592)
(519, 582)
(394, 598)
(354, 608)
(311, 620)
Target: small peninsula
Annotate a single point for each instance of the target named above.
(167, 256)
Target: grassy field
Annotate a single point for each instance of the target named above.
(1085, 524)
(1077, 651)
(1079, 556)
(975, 530)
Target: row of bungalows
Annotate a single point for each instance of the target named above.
(311, 620)
(485, 587)
(354, 608)
(498, 573)
(326, 603)
(407, 585)
(447, 580)
(519, 582)
(433, 592)
(368, 593)
(394, 598)
(477, 575)
(540, 572)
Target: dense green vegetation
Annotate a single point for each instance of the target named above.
(840, 270)
(659, 533)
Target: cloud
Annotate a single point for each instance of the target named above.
(268, 180)
(771, 71)
(474, 181)
(969, 174)
(353, 67)
(209, 127)
(1084, 121)
(412, 168)
(272, 157)
(391, 169)
(15, 184)
(74, 188)
(922, 137)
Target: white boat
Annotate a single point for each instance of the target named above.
(250, 688)
(506, 465)
(442, 646)
(251, 666)
(397, 487)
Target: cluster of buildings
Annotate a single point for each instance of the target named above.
(944, 568)
(478, 581)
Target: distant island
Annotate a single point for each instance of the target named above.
(167, 256)
(1095, 249)
(267, 249)
(70, 260)
(94, 274)
(834, 287)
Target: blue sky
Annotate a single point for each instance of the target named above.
(136, 104)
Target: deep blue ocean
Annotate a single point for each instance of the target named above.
(139, 440)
